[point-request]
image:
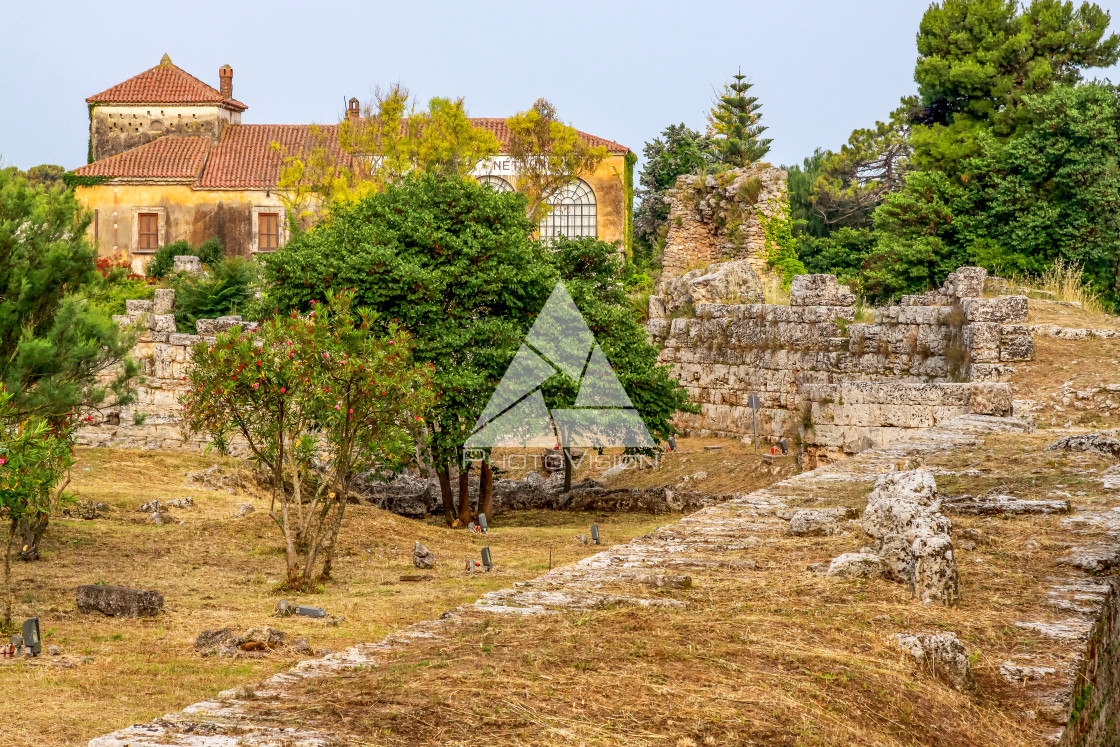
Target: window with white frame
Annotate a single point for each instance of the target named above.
(496, 183)
(572, 213)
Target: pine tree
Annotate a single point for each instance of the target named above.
(734, 125)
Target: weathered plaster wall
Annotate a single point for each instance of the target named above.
(193, 215)
(716, 218)
(838, 385)
(117, 128)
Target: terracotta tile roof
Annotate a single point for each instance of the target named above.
(169, 157)
(165, 83)
(497, 125)
(243, 157)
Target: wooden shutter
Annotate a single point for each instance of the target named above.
(268, 231)
(148, 232)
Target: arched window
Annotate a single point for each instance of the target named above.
(496, 183)
(572, 214)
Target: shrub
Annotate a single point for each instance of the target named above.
(210, 252)
(225, 290)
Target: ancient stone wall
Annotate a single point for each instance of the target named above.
(841, 385)
(154, 419)
(715, 218)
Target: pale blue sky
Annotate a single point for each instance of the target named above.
(621, 70)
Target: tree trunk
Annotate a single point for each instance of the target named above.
(567, 469)
(464, 494)
(486, 490)
(32, 530)
(445, 493)
(343, 495)
(8, 575)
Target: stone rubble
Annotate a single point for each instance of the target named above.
(943, 654)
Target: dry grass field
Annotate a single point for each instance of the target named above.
(216, 571)
(773, 656)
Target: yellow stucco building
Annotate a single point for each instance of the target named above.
(170, 159)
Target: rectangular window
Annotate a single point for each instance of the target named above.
(147, 232)
(268, 231)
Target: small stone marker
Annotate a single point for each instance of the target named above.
(783, 445)
(595, 534)
(482, 523)
(31, 637)
(672, 444)
(422, 557)
(487, 561)
(472, 528)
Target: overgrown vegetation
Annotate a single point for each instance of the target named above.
(210, 252)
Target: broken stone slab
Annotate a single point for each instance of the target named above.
(915, 543)
(810, 523)
(1105, 442)
(942, 654)
(733, 282)
(243, 510)
(1017, 674)
(422, 557)
(989, 505)
(187, 263)
(819, 290)
(187, 502)
(1095, 558)
(138, 306)
(856, 565)
(161, 518)
(151, 507)
(667, 581)
(118, 601)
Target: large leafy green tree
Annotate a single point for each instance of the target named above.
(978, 59)
(923, 234)
(734, 124)
(453, 262)
(591, 271)
(1054, 191)
(58, 354)
(677, 151)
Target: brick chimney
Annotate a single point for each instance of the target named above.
(225, 74)
(353, 109)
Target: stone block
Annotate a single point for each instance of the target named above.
(819, 290)
(164, 301)
(1005, 309)
(162, 323)
(182, 339)
(138, 306)
(965, 282)
(990, 372)
(118, 601)
(1015, 343)
(656, 307)
(990, 399)
(187, 263)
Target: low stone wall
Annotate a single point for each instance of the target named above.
(840, 385)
